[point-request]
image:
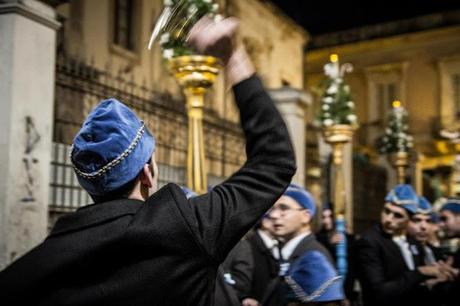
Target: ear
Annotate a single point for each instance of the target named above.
(306, 219)
(146, 176)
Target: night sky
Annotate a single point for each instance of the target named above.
(322, 16)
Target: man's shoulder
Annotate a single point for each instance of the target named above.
(310, 243)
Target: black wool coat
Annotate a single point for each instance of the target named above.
(166, 250)
(384, 276)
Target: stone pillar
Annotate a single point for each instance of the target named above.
(27, 63)
(292, 104)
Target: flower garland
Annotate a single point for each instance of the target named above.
(181, 15)
(337, 106)
(396, 138)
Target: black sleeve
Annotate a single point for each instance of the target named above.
(221, 217)
(242, 267)
(373, 280)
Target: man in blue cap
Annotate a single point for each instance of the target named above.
(292, 215)
(419, 228)
(450, 225)
(385, 260)
(139, 246)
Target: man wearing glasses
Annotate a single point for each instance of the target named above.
(292, 215)
(386, 267)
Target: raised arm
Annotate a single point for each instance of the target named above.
(224, 215)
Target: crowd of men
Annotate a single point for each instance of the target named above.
(248, 241)
(399, 261)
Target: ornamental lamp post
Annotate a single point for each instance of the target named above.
(195, 73)
(397, 143)
(338, 122)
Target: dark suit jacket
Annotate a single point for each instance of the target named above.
(239, 265)
(265, 267)
(382, 271)
(309, 243)
(164, 251)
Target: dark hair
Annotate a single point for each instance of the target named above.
(119, 193)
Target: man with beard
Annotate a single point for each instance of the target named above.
(385, 263)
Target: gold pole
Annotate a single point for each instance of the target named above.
(337, 136)
(400, 161)
(339, 188)
(196, 74)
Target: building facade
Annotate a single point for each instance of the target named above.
(416, 61)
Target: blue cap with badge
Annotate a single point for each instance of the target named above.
(452, 205)
(423, 207)
(404, 196)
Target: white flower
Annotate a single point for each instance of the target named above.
(218, 18)
(325, 107)
(168, 2)
(328, 122)
(215, 7)
(332, 70)
(351, 118)
(168, 53)
(350, 104)
(192, 9)
(346, 88)
(164, 38)
(339, 80)
(328, 100)
(333, 89)
(388, 131)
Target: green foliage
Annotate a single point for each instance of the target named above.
(396, 138)
(337, 106)
(184, 14)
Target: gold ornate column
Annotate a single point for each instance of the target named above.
(400, 161)
(337, 136)
(196, 74)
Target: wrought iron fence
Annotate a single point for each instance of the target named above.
(80, 86)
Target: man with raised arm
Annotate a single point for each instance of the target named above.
(139, 246)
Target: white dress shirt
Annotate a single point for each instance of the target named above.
(403, 245)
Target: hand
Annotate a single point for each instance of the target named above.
(432, 282)
(336, 238)
(433, 271)
(249, 302)
(215, 38)
(219, 39)
(447, 270)
(345, 302)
